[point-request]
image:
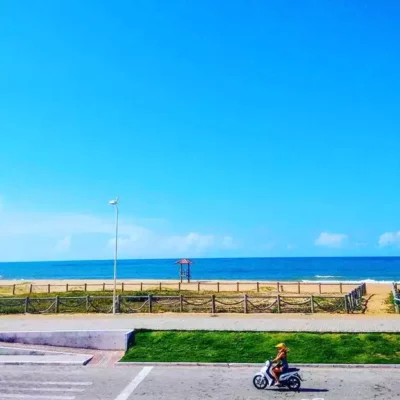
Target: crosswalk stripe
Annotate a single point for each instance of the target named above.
(41, 389)
(34, 397)
(3, 382)
(124, 395)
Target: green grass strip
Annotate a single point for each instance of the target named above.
(257, 347)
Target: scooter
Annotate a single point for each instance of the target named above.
(291, 379)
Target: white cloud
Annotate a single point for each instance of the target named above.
(47, 236)
(269, 245)
(361, 244)
(326, 239)
(147, 243)
(63, 245)
(389, 239)
(194, 242)
(291, 246)
(228, 242)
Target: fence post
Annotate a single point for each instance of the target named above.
(118, 305)
(320, 288)
(150, 303)
(57, 305)
(26, 305)
(237, 287)
(245, 304)
(298, 287)
(278, 303)
(346, 304)
(181, 303)
(48, 288)
(198, 286)
(218, 286)
(160, 286)
(258, 287)
(179, 286)
(85, 287)
(13, 290)
(365, 288)
(277, 287)
(141, 286)
(104, 287)
(87, 303)
(213, 304)
(122, 287)
(312, 304)
(30, 288)
(341, 287)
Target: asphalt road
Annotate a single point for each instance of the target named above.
(188, 383)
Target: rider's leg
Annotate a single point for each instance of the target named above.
(275, 373)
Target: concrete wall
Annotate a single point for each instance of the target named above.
(101, 340)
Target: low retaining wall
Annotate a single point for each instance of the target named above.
(98, 340)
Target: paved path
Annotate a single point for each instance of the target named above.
(282, 322)
(196, 383)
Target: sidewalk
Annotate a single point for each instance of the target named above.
(233, 322)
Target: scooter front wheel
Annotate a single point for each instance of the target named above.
(260, 382)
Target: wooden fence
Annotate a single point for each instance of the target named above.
(354, 299)
(396, 297)
(199, 286)
(182, 303)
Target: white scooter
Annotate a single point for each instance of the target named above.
(291, 379)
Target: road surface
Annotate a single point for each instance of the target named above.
(263, 322)
(194, 383)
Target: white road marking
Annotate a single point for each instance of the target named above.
(34, 397)
(45, 383)
(41, 389)
(134, 384)
(319, 398)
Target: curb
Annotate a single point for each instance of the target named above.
(251, 365)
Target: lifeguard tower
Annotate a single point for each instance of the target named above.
(184, 269)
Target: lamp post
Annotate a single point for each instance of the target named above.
(115, 204)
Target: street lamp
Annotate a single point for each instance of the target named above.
(115, 204)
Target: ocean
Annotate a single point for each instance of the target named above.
(368, 269)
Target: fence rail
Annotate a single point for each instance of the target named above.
(199, 286)
(206, 303)
(396, 297)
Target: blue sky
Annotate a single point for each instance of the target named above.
(242, 128)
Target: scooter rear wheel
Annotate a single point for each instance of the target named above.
(293, 383)
(260, 382)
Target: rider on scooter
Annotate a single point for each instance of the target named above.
(281, 362)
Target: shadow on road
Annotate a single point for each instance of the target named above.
(305, 390)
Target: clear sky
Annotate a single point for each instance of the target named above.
(227, 128)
